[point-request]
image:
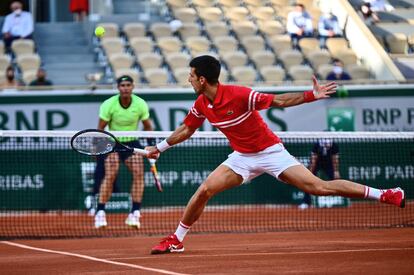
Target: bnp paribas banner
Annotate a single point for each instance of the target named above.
(362, 110)
(47, 175)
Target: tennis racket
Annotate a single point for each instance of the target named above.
(93, 142)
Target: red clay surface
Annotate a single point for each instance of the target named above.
(379, 251)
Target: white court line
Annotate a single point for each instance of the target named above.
(162, 271)
(279, 253)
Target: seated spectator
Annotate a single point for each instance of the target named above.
(338, 72)
(299, 24)
(368, 15)
(18, 24)
(41, 79)
(11, 82)
(328, 27)
(379, 5)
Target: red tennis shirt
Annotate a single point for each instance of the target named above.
(235, 113)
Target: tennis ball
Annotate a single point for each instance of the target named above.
(99, 31)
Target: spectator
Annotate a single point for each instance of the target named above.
(328, 27)
(379, 5)
(299, 24)
(41, 79)
(338, 72)
(18, 24)
(79, 9)
(11, 82)
(368, 15)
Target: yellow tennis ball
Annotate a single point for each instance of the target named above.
(100, 31)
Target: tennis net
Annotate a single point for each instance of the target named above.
(47, 190)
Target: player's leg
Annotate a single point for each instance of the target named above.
(222, 178)
(303, 179)
(105, 191)
(135, 165)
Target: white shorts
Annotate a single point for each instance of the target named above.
(272, 160)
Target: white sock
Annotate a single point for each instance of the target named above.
(372, 193)
(181, 231)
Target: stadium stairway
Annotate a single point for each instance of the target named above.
(65, 52)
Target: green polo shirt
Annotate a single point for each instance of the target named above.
(123, 119)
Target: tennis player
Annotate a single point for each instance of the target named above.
(257, 150)
(123, 112)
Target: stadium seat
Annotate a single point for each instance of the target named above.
(347, 56)
(244, 74)
(111, 29)
(185, 15)
(197, 44)
(229, 3)
(23, 46)
(202, 3)
(253, 43)
(236, 13)
(271, 27)
(112, 45)
(263, 13)
(189, 29)
(133, 73)
(234, 59)
(336, 44)
(324, 69)
(4, 63)
(279, 43)
(210, 14)
(1, 47)
(225, 43)
(134, 29)
(160, 29)
(149, 60)
(263, 58)
(156, 77)
(358, 72)
(177, 3)
(318, 57)
(169, 44)
(290, 58)
(120, 61)
(141, 45)
(255, 3)
(177, 60)
(244, 28)
(308, 44)
(397, 43)
(215, 29)
(301, 72)
(181, 75)
(28, 62)
(224, 75)
(272, 74)
(278, 4)
(29, 76)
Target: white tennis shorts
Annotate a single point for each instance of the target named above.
(272, 160)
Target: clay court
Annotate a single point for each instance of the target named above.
(379, 251)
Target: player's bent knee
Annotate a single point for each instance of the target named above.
(204, 192)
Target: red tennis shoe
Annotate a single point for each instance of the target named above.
(394, 196)
(168, 245)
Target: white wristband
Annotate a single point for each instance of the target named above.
(163, 145)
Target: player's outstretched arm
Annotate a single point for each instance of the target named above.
(293, 99)
(180, 134)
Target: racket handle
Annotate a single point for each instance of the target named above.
(141, 152)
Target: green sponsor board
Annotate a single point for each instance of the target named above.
(61, 179)
(341, 119)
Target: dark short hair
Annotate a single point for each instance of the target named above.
(206, 66)
(124, 78)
